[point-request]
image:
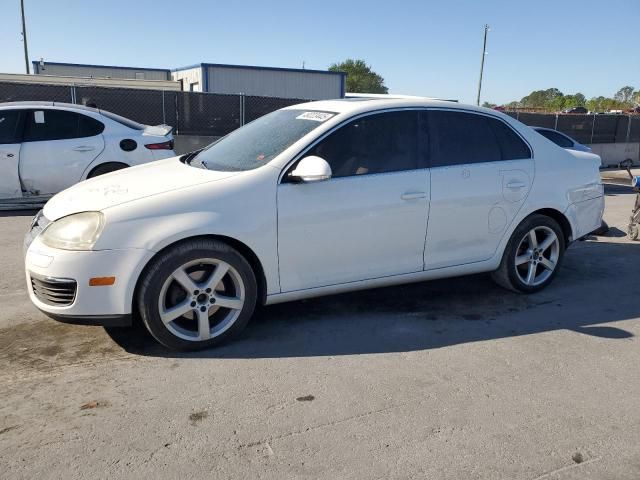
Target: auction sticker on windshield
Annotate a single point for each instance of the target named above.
(315, 116)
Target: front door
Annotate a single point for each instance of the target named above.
(58, 146)
(481, 174)
(369, 220)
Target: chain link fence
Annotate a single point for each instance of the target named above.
(587, 129)
(215, 115)
(190, 113)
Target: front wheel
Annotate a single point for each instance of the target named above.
(533, 255)
(197, 295)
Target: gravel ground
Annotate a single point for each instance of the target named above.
(453, 379)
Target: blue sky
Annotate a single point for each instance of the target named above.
(419, 47)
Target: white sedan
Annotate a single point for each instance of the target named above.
(310, 200)
(46, 147)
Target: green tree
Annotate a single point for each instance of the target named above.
(577, 100)
(550, 98)
(360, 77)
(624, 95)
(489, 105)
(604, 104)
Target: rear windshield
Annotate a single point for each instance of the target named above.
(260, 141)
(123, 121)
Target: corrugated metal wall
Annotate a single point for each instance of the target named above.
(274, 83)
(91, 71)
(191, 79)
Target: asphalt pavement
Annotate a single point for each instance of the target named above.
(452, 379)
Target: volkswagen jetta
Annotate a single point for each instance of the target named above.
(313, 199)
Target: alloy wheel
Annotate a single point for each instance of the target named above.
(201, 299)
(537, 256)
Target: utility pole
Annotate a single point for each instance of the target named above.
(484, 53)
(24, 38)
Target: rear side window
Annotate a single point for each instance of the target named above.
(512, 146)
(379, 143)
(459, 138)
(556, 138)
(45, 125)
(10, 126)
(89, 127)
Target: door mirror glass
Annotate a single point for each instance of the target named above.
(311, 169)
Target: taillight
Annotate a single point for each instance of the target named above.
(168, 145)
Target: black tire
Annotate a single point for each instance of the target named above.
(106, 168)
(508, 276)
(159, 274)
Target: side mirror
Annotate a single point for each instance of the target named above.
(311, 169)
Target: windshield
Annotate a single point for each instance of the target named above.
(260, 141)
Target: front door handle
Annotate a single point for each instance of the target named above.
(84, 148)
(516, 185)
(413, 195)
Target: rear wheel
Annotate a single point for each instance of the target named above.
(106, 168)
(197, 295)
(532, 256)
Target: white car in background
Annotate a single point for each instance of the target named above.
(314, 199)
(46, 147)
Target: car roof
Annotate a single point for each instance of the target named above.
(366, 104)
(35, 103)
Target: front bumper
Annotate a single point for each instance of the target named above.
(99, 320)
(91, 305)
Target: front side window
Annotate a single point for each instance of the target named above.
(46, 125)
(10, 126)
(260, 141)
(378, 143)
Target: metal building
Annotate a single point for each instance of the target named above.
(262, 81)
(99, 71)
(218, 78)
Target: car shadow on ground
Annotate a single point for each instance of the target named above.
(595, 286)
(18, 213)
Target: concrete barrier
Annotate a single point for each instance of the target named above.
(614, 153)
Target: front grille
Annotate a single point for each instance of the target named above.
(58, 292)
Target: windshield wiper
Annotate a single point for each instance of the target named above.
(191, 156)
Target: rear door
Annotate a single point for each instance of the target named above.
(58, 146)
(10, 138)
(481, 174)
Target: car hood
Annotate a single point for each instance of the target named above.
(127, 185)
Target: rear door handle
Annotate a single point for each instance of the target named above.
(516, 185)
(413, 195)
(84, 148)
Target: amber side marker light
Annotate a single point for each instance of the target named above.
(101, 281)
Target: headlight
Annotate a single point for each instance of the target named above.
(79, 231)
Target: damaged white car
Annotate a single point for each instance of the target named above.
(46, 147)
